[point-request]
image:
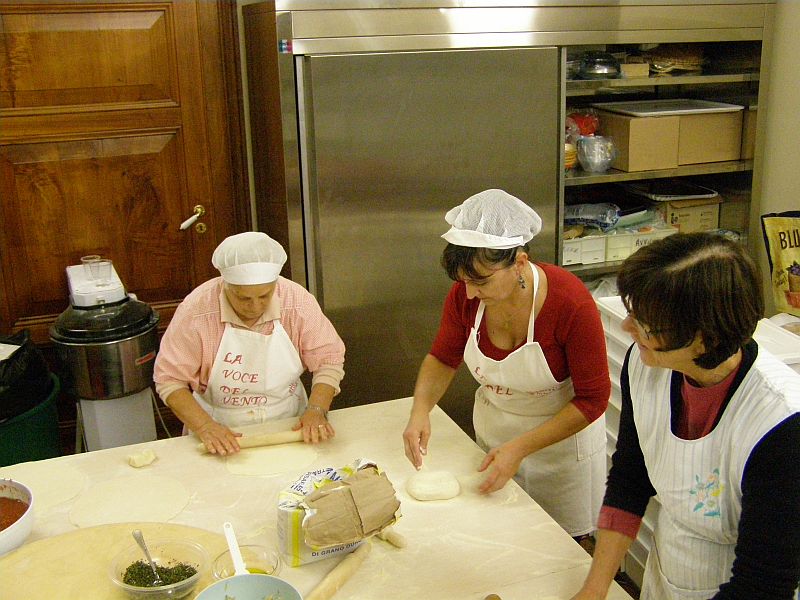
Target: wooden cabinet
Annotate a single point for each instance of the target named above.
(118, 118)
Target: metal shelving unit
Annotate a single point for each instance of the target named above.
(591, 87)
(744, 82)
(581, 177)
(596, 270)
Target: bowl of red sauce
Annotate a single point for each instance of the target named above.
(16, 514)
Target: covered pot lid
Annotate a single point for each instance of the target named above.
(105, 323)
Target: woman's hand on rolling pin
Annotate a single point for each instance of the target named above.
(218, 439)
(416, 437)
(502, 463)
(315, 425)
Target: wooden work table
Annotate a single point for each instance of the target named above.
(462, 548)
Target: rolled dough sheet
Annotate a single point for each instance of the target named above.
(139, 497)
(271, 460)
(50, 486)
(75, 565)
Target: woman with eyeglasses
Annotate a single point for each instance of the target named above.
(710, 424)
(530, 334)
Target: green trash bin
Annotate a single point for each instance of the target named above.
(33, 435)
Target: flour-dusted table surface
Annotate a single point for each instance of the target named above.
(459, 549)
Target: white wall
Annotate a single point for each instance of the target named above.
(776, 170)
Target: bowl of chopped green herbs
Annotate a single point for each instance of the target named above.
(180, 565)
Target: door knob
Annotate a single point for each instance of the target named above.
(199, 210)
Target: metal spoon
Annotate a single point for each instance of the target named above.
(137, 535)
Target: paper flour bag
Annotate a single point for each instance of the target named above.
(330, 511)
(782, 238)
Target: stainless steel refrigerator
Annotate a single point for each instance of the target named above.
(387, 143)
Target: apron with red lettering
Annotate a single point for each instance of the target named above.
(254, 378)
(516, 395)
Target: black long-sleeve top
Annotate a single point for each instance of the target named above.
(767, 563)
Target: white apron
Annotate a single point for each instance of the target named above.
(520, 393)
(699, 481)
(254, 378)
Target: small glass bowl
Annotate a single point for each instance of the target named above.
(164, 553)
(257, 559)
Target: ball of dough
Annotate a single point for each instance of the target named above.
(141, 459)
(433, 485)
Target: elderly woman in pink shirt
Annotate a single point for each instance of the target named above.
(235, 349)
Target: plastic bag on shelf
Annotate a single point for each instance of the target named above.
(572, 132)
(586, 119)
(603, 287)
(601, 215)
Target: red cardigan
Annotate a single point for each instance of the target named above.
(568, 328)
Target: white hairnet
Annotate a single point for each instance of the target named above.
(249, 258)
(492, 219)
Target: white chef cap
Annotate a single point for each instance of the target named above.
(492, 219)
(249, 258)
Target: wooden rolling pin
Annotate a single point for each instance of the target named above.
(264, 439)
(394, 538)
(334, 580)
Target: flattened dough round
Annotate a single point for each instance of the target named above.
(271, 460)
(49, 486)
(433, 485)
(140, 497)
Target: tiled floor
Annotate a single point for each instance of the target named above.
(626, 584)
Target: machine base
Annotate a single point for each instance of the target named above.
(117, 421)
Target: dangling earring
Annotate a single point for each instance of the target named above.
(521, 281)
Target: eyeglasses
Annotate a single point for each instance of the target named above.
(644, 331)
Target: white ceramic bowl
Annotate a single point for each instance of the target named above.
(13, 536)
(164, 553)
(251, 585)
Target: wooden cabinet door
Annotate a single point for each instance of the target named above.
(116, 120)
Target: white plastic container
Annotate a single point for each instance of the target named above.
(587, 250)
(620, 244)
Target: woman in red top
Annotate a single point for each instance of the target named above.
(531, 335)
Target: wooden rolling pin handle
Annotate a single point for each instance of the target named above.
(334, 580)
(264, 439)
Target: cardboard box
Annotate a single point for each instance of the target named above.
(663, 134)
(692, 215)
(710, 137)
(630, 70)
(749, 117)
(643, 143)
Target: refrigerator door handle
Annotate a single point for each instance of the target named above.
(309, 200)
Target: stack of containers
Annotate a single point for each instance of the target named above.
(780, 342)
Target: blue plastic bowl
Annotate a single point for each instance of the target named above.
(250, 585)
